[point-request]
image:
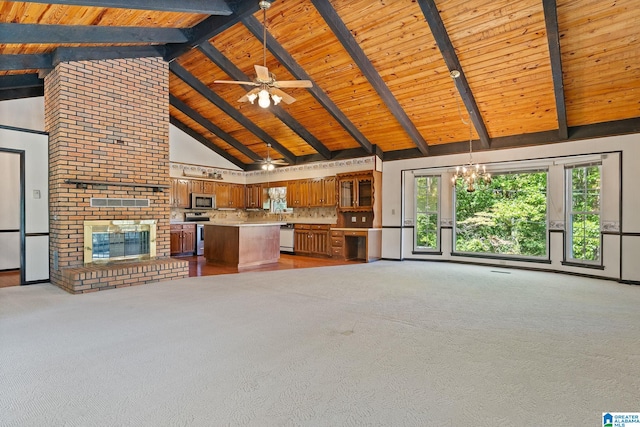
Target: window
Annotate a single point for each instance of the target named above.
(583, 214)
(427, 211)
(509, 217)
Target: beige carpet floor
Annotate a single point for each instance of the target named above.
(387, 343)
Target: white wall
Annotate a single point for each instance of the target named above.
(397, 193)
(185, 149)
(25, 113)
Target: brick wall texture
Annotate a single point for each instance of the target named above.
(107, 120)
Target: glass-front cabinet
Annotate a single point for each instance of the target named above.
(355, 192)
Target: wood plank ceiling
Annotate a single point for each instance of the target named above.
(532, 72)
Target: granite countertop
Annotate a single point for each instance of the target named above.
(244, 224)
(355, 229)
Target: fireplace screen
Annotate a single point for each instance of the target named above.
(119, 240)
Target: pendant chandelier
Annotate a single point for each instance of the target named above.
(472, 174)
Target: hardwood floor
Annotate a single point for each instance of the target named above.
(198, 265)
(9, 278)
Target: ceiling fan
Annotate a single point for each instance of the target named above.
(270, 164)
(267, 87)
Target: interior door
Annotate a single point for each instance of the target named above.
(10, 219)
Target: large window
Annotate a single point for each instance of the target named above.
(427, 210)
(583, 213)
(509, 217)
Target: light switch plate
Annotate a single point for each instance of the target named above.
(36, 194)
(353, 219)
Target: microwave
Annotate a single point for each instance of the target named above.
(203, 201)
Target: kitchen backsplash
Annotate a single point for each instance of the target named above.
(307, 215)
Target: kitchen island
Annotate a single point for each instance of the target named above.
(242, 244)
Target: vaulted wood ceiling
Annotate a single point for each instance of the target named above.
(532, 71)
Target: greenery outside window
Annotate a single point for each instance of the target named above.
(427, 191)
(583, 214)
(507, 218)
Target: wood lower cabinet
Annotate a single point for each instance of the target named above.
(337, 244)
(311, 239)
(182, 239)
(356, 244)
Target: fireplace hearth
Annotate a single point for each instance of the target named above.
(119, 240)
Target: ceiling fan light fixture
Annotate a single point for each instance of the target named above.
(263, 98)
(276, 99)
(252, 97)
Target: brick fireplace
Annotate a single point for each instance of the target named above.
(108, 124)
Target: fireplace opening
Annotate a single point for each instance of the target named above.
(107, 241)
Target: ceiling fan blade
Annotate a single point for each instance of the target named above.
(235, 82)
(262, 73)
(293, 83)
(245, 98)
(285, 97)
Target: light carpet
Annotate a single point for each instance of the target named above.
(386, 343)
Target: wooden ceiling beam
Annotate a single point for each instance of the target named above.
(255, 27)
(228, 67)
(214, 98)
(56, 34)
(553, 38)
(212, 26)
(208, 7)
(204, 141)
(25, 62)
(205, 123)
(432, 15)
(352, 47)
(20, 81)
(65, 54)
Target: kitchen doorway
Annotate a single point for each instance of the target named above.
(11, 217)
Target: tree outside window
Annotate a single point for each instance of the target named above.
(583, 213)
(427, 211)
(508, 217)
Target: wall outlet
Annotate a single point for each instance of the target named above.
(364, 219)
(353, 219)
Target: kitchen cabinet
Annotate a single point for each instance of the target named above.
(298, 193)
(356, 244)
(329, 189)
(236, 196)
(253, 196)
(337, 244)
(311, 239)
(182, 239)
(196, 186)
(356, 191)
(208, 187)
(229, 195)
(322, 192)
(179, 195)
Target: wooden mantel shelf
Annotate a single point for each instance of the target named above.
(82, 183)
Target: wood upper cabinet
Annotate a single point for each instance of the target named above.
(222, 195)
(179, 196)
(356, 191)
(253, 196)
(312, 193)
(298, 193)
(196, 186)
(322, 192)
(236, 196)
(229, 195)
(208, 187)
